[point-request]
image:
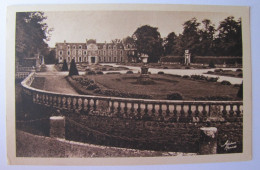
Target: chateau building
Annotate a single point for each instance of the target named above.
(92, 52)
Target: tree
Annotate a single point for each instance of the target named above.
(229, 39)
(64, 66)
(207, 38)
(31, 34)
(169, 44)
(73, 68)
(190, 38)
(148, 41)
(51, 57)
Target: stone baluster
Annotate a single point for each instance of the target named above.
(82, 105)
(197, 112)
(54, 101)
(182, 111)
(95, 104)
(88, 106)
(231, 111)
(112, 107)
(132, 113)
(224, 111)
(153, 110)
(204, 111)
(238, 110)
(139, 111)
(119, 109)
(125, 109)
(167, 110)
(189, 111)
(146, 110)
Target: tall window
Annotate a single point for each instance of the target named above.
(68, 46)
(68, 59)
(74, 46)
(68, 52)
(121, 52)
(104, 52)
(60, 52)
(85, 52)
(80, 47)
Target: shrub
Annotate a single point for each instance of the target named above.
(91, 73)
(187, 67)
(214, 98)
(160, 72)
(165, 67)
(240, 91)
(129, 72)
(104, 69)
(224, 82)
(73, 68)
(64, 66)
(212, 79)
(240, 75)
(174, 96)
(186, 77)
(218, 70)
(100, 72)
(210, 72)
(211, 64)
(113, 73)
(238, 70)
(92, 87)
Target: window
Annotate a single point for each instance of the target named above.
(104, 60)
(60, 58)
(74, 59)
(114, 59)
(68, 52)
(104, 46)
(104, 52)
(68, 46)
(114, 46)
(79, 52)
(121, 52)
(85, 52)
(68, 59)
(74, 46)
(86, 59)
(114, 52)
(74, 52)
(80, 47)
(109, 47)
(79, 59)
(121, 59)
(111, 53)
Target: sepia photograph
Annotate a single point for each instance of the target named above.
(124, 82)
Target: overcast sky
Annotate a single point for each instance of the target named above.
(108, 25)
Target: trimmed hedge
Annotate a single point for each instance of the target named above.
(174, 96)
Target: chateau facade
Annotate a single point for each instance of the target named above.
(92, 52)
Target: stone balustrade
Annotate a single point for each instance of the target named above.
(133, 108)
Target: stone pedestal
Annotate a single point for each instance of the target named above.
(57, 127)
(208, 141)
(144, 77)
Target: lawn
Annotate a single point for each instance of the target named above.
(163, 86)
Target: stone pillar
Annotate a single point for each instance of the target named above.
(208, 140)
(57, 127)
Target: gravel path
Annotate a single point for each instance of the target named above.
(55, 81)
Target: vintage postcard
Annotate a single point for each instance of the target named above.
(128, 84)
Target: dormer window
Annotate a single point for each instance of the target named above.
(80, 47)
(109, 47)
(74, 46)
(114, 46)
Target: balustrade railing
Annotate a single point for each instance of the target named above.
(130, 107)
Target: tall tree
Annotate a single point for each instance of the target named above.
(31, 34)
(229, 39)
(190, 36)
(207, 34)
(169, 44)
(148, 41)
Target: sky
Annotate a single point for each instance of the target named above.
(77, 26)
